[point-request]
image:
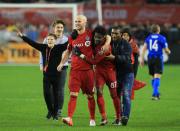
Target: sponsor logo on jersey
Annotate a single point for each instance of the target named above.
(78, 45)
(87, 43)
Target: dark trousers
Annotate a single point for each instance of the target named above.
(136, 64)
(53, 89)
(124, 90)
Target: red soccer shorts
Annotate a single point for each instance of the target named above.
(107, 76)
(83, 80)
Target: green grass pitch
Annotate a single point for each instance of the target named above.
(22, 106)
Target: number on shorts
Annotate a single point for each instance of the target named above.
(113, 84)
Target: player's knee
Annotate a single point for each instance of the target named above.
(75, 94)
(157, 75)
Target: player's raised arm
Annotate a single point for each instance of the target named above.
(32, 43)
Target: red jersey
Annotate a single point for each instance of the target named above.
(103, 64)
(100, 60)
(134, 46)
(83, 42)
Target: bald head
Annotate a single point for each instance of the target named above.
(82, 17)
(80, 22)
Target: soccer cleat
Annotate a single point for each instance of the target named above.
(103, 122)
(117, 122)
(124, 120)
(68, 121)
(92, 123)
(156, 97)
(49, 115)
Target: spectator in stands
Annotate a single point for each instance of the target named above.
(32, 32)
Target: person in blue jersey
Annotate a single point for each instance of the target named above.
(58, 29)
(155, 43)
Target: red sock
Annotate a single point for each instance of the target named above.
(72, 105)
(91, 107)
(101, 106)
(116, 102)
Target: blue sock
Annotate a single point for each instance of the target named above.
(156, 85)
(152, 81)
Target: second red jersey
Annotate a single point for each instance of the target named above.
(103, 63)
(99, 59)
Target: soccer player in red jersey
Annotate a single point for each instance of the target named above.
(104, 74)
(126, 34)
(81, 72)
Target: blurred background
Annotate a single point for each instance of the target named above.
(34, 18)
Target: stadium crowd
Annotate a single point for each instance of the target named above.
(139, 31)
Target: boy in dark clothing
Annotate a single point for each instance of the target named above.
(51, 54)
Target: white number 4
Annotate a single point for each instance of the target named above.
(153, 45)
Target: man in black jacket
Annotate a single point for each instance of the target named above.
(121, 54)
(51, 54)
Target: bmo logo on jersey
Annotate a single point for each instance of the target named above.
(87, 42)
(79, 45)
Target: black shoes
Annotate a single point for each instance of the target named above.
(57, 115)
(117, 122)
(124, 120)
(49, 115)
(103, 122)
(156, 97)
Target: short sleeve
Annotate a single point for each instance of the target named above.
(164, 42)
